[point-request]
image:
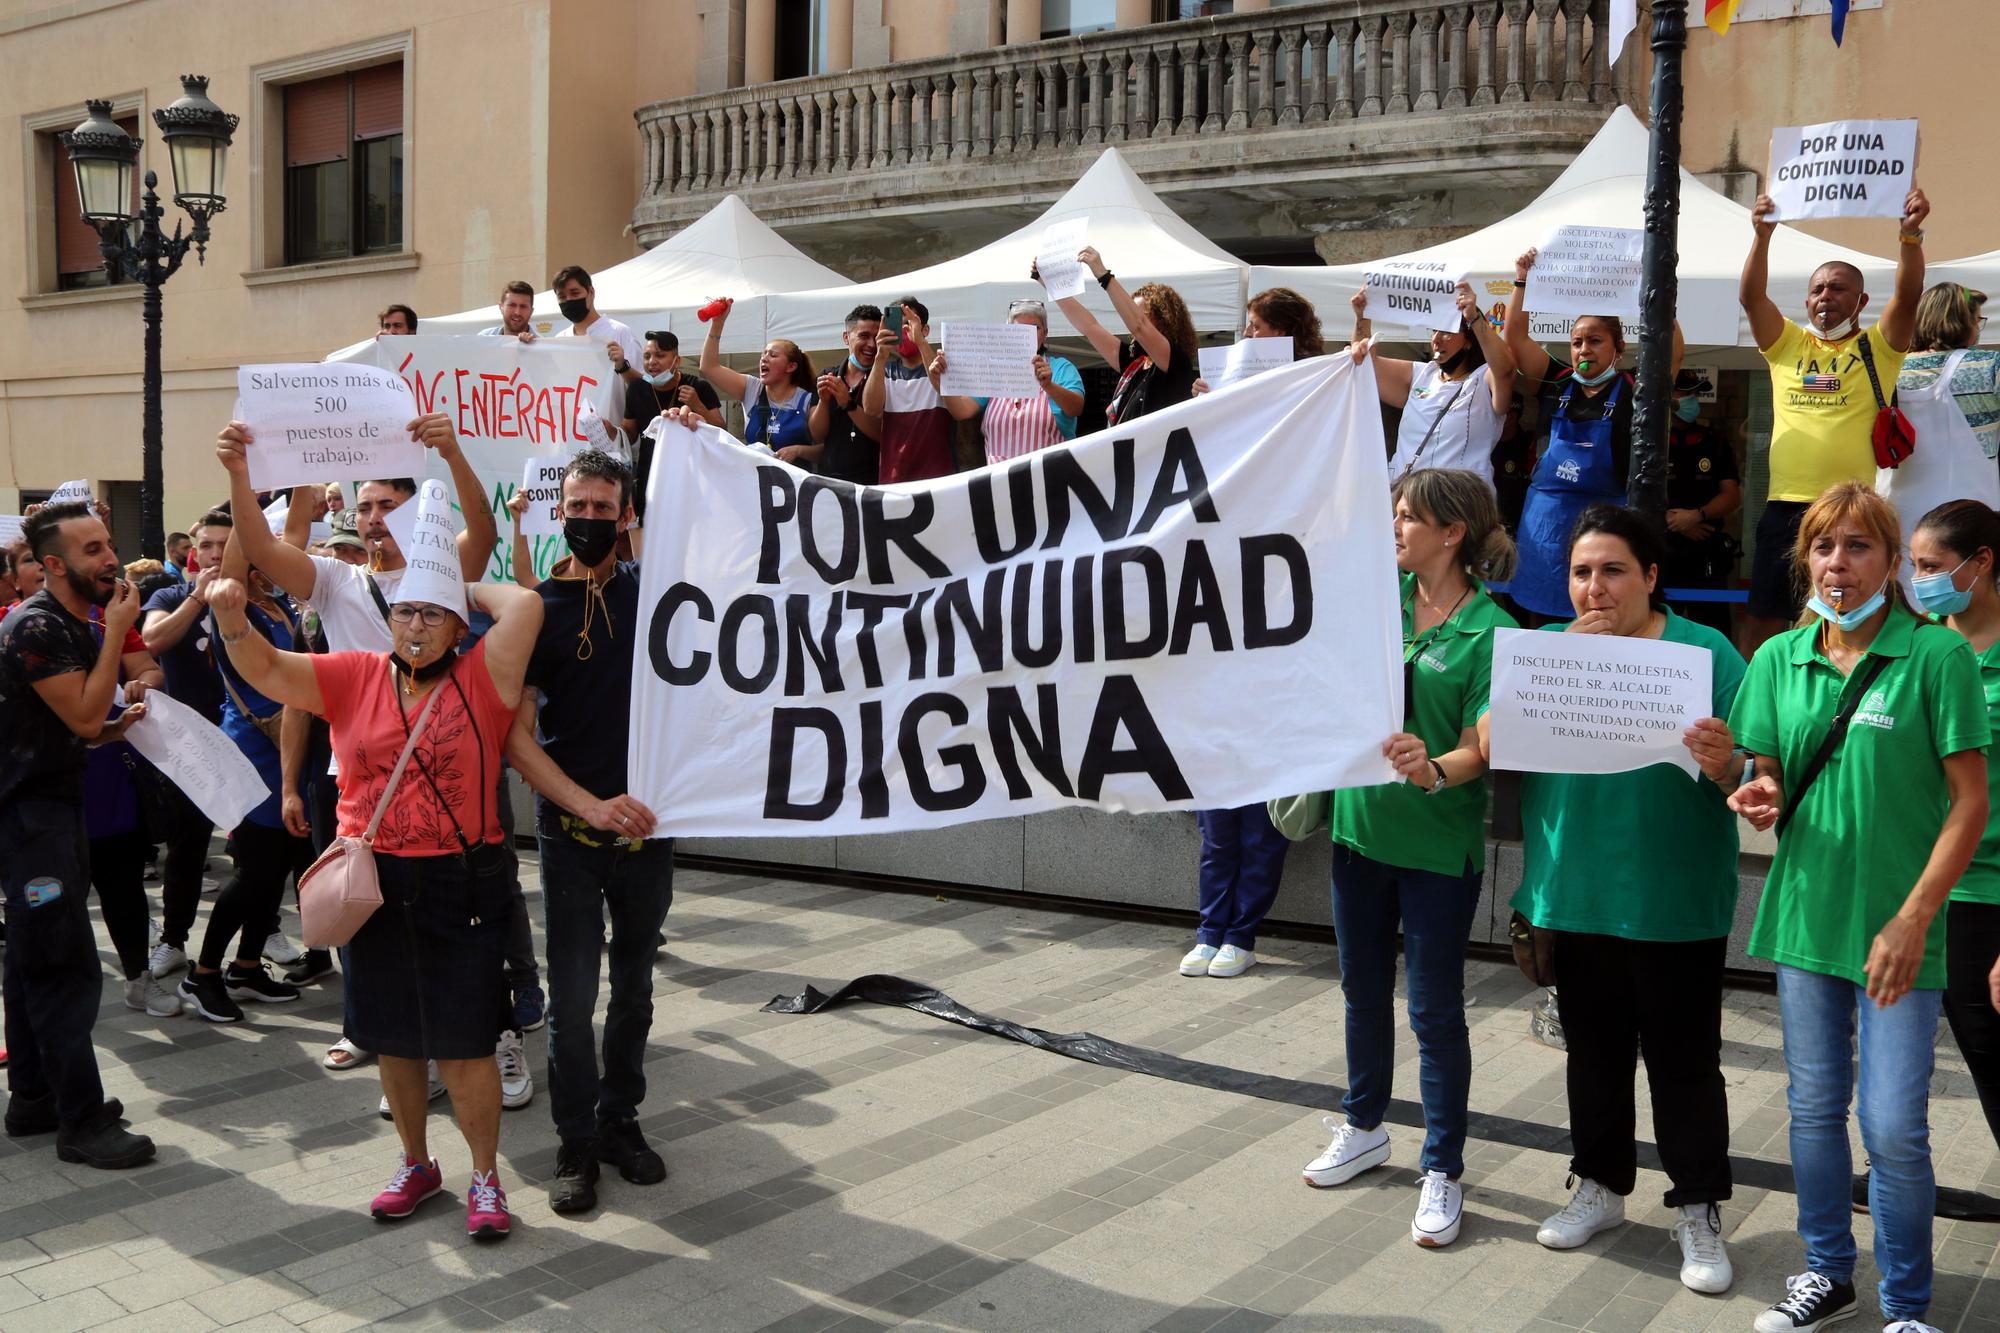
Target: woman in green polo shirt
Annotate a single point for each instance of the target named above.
(1411, 853)
(1874, 829)
(1954, 550)
(1628, 890)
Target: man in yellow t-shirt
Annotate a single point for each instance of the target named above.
(1823, 403)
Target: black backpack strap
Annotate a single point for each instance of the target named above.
(1834, 734)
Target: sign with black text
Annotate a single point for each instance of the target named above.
(1595, 703)
(1843, 169)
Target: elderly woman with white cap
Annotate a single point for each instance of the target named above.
(1014, 427)
(424, 972)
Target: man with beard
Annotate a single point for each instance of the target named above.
(1824, 395)
(846, 439)
(596, 856)
(56, 688)
(517, 313)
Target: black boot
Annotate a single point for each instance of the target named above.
(27, 1116)
(103, 1142)
(574, 1189)
(620, 1144)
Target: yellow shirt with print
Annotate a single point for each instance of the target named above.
(1823, 410)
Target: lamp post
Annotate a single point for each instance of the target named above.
(1659, 289)
(197, 134)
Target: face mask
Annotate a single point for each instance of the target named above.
(1838, 331)
(1452, 364)
(1590, 381)
(574, 311)
(1850, 620)
(664, 377)
(856, 364)
(1688, 410)
(1939, 595)
(590, 539)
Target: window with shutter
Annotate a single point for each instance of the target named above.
(344, 165)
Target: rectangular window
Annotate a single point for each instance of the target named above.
(1073, 18)
(79, 261)
(344, 165)
(798, 28)
(1166, 11)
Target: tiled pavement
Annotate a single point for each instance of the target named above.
(874, 1167)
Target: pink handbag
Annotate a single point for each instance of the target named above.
(339, 891)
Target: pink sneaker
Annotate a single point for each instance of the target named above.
(411, 1185)
(486, 1215)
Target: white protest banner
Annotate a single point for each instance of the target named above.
(195, 756)
(11, 526)
(1056, 261)
(1587, 271)
(279, 511)
(1595, 703)
(989, 360)
(820, 658)
(1415, 293)
(541, 482)
(1843, 169)
(72, 492)
(315, 423)
(1223, 366)
(509, 401)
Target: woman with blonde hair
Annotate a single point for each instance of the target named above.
(1157, 365)
(1410, 854)
(1861, 736)
(1949, 388)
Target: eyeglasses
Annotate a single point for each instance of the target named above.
(433, 616)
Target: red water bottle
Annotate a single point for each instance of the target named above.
(714, 308)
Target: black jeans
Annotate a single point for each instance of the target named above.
(180, 872)
(1622, 999)
(248, 904)
(522, 971)
(52, 980)
(118, 873)
(1971, 943)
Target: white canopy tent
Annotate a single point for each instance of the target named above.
(1140, 237)
(728, 251)
(1606, 187)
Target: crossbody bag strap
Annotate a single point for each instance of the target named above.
(402, 762)
(1874, 380)
(1834, 736)
(1436, 421)
(381, 602)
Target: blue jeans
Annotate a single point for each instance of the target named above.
(1242, 860)
(1370, 899)
(579, 885)
(1821, 1017)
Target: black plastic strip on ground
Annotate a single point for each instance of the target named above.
(1954, 1204)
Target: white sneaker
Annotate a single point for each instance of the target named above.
(1704, 1259)
(1351, 1152)
(517, 1085)
(166, 960)
(1194, 963)
(1909, 1326)
(145, 993)
(281, 950)
(1590, 1210)
(437, 1091)
(1230, 961)
(1438, 1211)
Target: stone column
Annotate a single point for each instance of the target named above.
(839, 36)
(760, 41)
(1024, 21)
(1134, 13)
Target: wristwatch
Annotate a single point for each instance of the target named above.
(1439, 785)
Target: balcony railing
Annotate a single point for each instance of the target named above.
(1342, 60)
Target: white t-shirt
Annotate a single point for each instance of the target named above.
(1467, 425)
(608, 330)
(348, 615)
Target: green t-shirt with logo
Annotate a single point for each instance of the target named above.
(1863, 832)
(1981, 881)
(1646, 855)
(1399, 823)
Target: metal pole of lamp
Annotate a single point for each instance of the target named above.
(1652, 407)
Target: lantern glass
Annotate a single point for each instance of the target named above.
(103, 188)
(198, 165)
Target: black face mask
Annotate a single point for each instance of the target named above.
(1457, 361)
(427, 672)
(590, 539)
(574, 311)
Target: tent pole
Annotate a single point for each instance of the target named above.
(1646, 487)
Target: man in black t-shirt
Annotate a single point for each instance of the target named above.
(846, 438)
(56, 688)
(1703, 490)
(662, 385)
(597, 859)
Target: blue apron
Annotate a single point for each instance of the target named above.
(1576, 471)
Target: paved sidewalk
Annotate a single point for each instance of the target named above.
(873, 1167)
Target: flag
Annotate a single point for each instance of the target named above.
(1717, 13)
(1839, 20)
(1624, 18)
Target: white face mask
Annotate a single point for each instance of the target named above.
(1838, 331)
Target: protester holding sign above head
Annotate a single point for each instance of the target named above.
(517, 313)
(1453, 405)
(1586, 449)
(1950, 391)
(1864, 730)
(1411, 854)
(577, 299)
(1825, 376)
(396, 319)
(1629, 918)
(1012, 427)
(1956, 550)
(901, 391)
(424, 971)
(846, 439)
(776, 400)
(1158, 364)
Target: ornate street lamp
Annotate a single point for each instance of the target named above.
(197, 134)
(1659, 287)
